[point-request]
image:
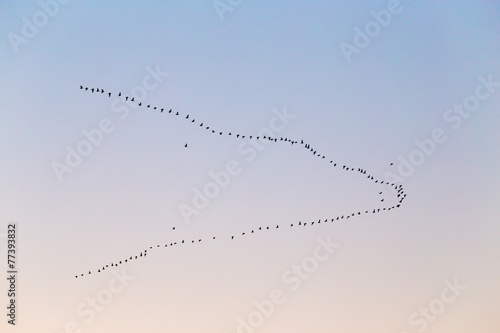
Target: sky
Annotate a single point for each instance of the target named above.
(406, 90)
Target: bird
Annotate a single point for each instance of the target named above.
(119, 94)
(161, 110)
(109, 94)
(81, 87)
(186, 145)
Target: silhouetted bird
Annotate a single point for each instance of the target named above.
(109, 94)
(119, 94)
(81, 87)
(186, 145)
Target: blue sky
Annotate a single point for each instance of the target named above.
(237, 74)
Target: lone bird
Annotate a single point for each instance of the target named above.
(185, 146)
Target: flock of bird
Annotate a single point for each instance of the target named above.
(399, 192)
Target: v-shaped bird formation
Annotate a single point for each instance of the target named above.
(401, 195)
